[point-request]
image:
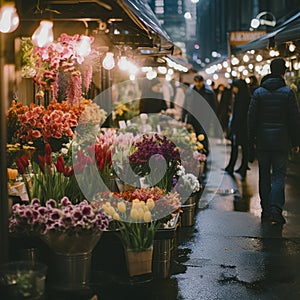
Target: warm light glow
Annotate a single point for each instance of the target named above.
(83, 48)
(168, 77)
(170, 71)
(132, 77)
(246, 58)
(9, 19)
(215, 77)
(247, 80)
(123, 63)
(234, 61)
(108, 61)
(292, 47)
(208, 81)
(225, 64)
(151, 74)
(188, 15)
(259, 58)
(227, 75)
(250, 66)
(245, 72)
(162, 70)
(255, 23)
(234, 73)
(43, 36)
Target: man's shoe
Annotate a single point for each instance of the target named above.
(277, 218)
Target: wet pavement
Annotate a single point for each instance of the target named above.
(228, 253)
(232, 255)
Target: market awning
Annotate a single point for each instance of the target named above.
(133, 20)
(287, 31)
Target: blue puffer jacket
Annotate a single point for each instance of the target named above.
(273, 116)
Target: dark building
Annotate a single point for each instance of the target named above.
(204, 36)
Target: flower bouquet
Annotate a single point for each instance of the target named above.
(156, 158)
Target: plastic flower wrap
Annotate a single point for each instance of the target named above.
(60, 216)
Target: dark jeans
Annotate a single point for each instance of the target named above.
(272, 171)
(234, 155)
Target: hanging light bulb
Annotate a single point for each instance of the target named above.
(43, 36)
(83, 47)
(292, 47)
(123, 63)
(9, 19)
(108, 61)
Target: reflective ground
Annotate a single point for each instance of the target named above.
(227, 254)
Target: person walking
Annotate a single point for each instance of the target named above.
(273, 124)
(191, 104)
(237, 128)
(223, 96)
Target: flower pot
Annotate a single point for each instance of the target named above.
(188, 214)
(139, 262)
(162, 250)
(70, 269)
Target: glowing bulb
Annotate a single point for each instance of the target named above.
(247, 80)
(43, 36)
(227, 75)
(83, 47)
(245, 72)
(108, 61)
(9, 19)
(215, 77)
(246, 58)
(132, 77)
(123, 63)
(225, 64)
(259, 58)
(255, 23)
(235, 61)
(292, 47)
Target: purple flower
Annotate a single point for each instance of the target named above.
(65, 201)
(35, 201)
(77, 215)
(51, 203)
(87, 210)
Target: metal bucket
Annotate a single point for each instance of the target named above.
(188, 214)
(70, 272)
(162, 250)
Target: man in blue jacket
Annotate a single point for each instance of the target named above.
(273, 125)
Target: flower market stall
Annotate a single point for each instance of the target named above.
(80, 167)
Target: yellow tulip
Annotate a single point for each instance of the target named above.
(147, 216)
(134, 214)
(116, 216)
(140, 213)
(111, 211)
(150, 203)
(121, 207)
(136, 201)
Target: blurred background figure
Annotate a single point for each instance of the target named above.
(180, 92)
(223, 97)
(152, 100)
(237, 128)
(253, 84)
(192, 105)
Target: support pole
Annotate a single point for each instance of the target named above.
(3, 158)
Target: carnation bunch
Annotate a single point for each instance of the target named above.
(62, 216)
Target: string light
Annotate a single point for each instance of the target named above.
(108, 61)
(43, 35)
(9, 19)
(292, 47)
(83, 48)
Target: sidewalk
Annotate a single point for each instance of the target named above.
(231, 255)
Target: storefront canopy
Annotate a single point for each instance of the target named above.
(288, 31)
(129, 21)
